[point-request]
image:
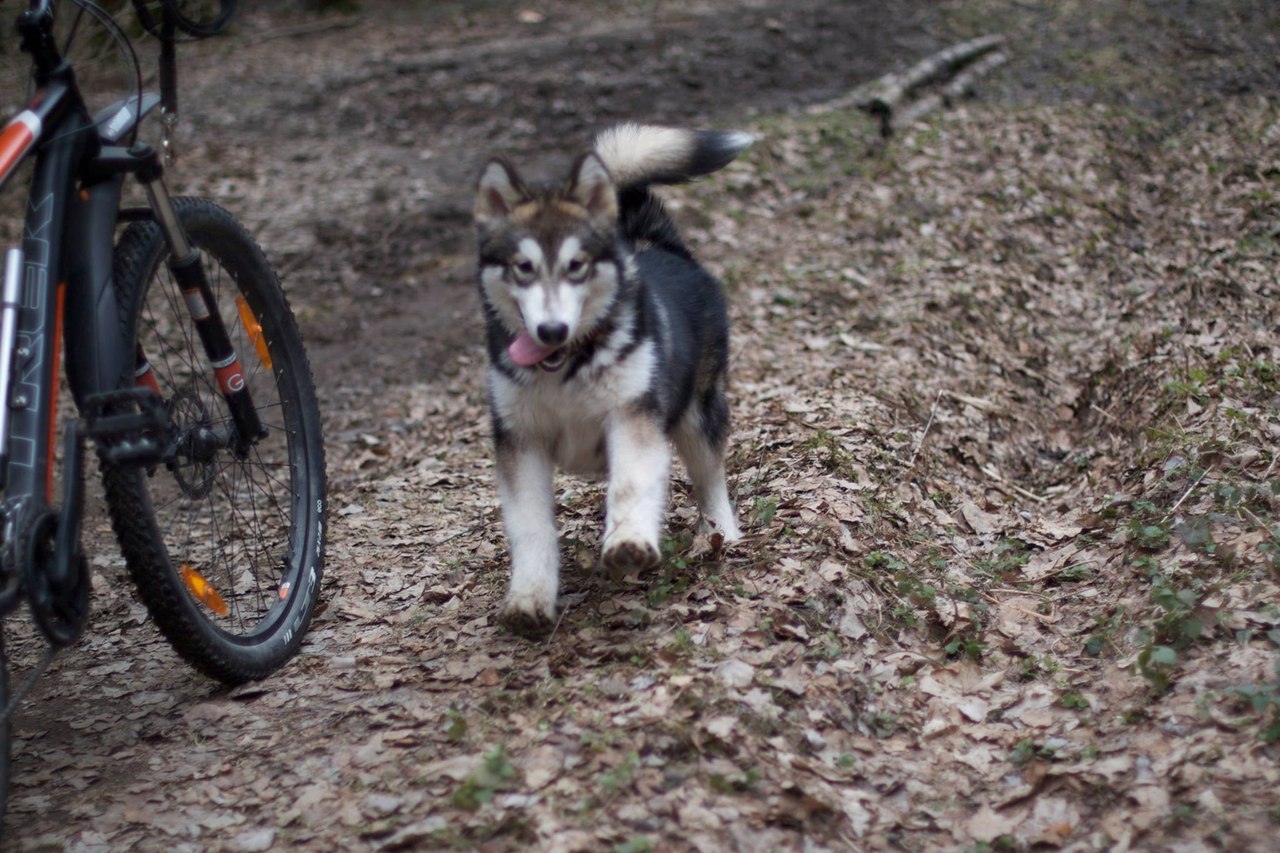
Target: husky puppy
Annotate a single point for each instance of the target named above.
(605, 340)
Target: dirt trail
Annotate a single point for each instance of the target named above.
(991, 389)
(371, 136)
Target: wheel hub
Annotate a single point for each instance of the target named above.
(196, 444)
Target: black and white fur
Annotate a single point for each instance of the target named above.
(606, 339)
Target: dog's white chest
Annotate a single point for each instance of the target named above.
(569, 420)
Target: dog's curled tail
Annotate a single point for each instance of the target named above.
(638, 155)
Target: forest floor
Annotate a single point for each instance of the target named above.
(1006, 447)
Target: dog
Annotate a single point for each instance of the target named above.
(606, 343)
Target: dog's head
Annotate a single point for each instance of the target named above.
(549, 265)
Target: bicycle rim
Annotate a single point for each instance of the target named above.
(235, 529)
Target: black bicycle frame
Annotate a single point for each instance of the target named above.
(67, 289)
(58, 227)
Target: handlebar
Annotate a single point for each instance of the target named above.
(174, 20)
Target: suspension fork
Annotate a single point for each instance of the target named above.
(188, 271)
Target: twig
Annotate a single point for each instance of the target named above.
(1261, 525)
(1103, 412)
(1270, 468)
(977, 402)
(919, 444)
(564, 611)
(1050, 618)
(1012, 487)
(1186, 494)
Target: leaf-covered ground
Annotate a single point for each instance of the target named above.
(1006, 446)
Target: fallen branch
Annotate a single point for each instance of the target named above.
(883, 97)
(894, 87)
(959, 88)
(963, 84)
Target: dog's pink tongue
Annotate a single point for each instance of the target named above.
(527, 352)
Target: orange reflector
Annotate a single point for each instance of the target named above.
(204, 591)
(254, 328)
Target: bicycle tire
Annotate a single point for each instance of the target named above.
(201, 25)
(252, 529)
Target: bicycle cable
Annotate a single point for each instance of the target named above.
(121, 40)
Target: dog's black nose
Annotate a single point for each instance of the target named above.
(552, 334)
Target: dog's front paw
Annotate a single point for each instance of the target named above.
(726, 528)
(621, 556)
(526, 617)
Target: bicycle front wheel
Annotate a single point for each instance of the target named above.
(226, 552)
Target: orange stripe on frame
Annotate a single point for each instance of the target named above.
(16, 140)
(51, 452)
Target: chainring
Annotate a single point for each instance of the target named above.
(61, 611)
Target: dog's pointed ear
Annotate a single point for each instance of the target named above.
(592, 187)
(498, 192)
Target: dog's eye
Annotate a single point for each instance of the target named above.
(577, 268)
(523, 269)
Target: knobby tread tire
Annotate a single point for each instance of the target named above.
(233, 659)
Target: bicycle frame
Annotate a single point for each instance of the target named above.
(59, 226)
(62, 287)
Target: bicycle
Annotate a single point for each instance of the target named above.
(188, 374)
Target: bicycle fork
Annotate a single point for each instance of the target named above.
(188, 271)
(187, 267)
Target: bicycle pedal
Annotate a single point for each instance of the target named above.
(129, 426)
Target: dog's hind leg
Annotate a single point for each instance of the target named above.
(639, 468)
(700, 439)
(525, 489)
